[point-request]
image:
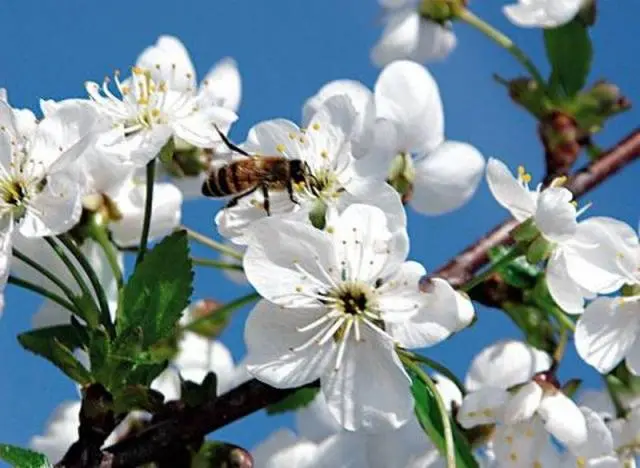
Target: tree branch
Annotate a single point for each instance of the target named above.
(461, 269)
(184, 425)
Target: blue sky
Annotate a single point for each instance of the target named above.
(286, 50)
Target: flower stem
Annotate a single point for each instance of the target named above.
(507, 258)
(561, 317)
(77, 276)
(223, 311)
(148, 207)
(216, 264)
(99, 235)
(71, 246)
(446, 423)
(436, 366)
(42, 291)
(503, 41)
(217, 246)
(47, 274)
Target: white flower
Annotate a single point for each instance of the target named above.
(39, 196)
(130, 199)
(608, 332)
(626, 437)
(284, 448)
(542, 13)
(169, 61)
(337, 177)
(148, 113)
(597, 448)
(408, 35)
(404, 116)
(504, 389)
(583, 261)
(337, 302)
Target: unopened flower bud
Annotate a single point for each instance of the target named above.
(562, 139)
(526, 92)
(539, 250)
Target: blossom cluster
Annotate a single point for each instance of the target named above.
(327, 250)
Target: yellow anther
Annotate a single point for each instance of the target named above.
(189, 75)
(526, 178)
(513, 456)
(137, 71)
(537, 464)
(521, 170)
(301, 139)
(155, 112)
(487, 412)
(324, 154)
(157, 66)
(581, 462)
(574, 203)
(559, 181)
(280, 148)
(292, 135)
(316, 126)
(509, 439)
(529, 432)
(125, 90)
(299, 289)
(330, 229)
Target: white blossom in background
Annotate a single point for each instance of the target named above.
(506, 388)
(339, 178)
(582, 262)
(542, 13)
(145, 114)
(344, 298)
(39, 195)
(626, 437)
(598, 449)
(169, 61)
(409, 35)
(403, 116)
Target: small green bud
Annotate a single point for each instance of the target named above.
(539, 250)
(401, 175)
(441, 11)
(526, 231)
(318, 214)
(527, 93)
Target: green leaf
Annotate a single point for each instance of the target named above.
(570, 53)
(56, 344)
(519, 273)
(158, 290)
(23, 458)
(298, 399)
(430, 419)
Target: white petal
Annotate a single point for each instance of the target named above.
(380, 195)
(435, 41)
(198, 356)
(563, 419)
(6, 149)
(198, 127)
(605, 333)
(270, 334)
(523, 404)
(555, 215)
(446, 178)
(165, 213)
(633, 356)
(400, 298)
(268, 137)
(399, 37)
(143, 146)
(602, 253)
(483, 406)
(283, 447)
(525, 444)
(276, 247)
(357, 404)
(598, 401)
(508, 192)
(542, 13)
(223, 85)
(168, 383)
(54, 210)
(343, 450)
(450, 393)
(406, 94)
(7, 119)
(169, 61)
(315, 422)
(563, 289)
(444, 311)
(63, 135)
(505, 364)
(599, 441)
(61, 431)
(361, 238)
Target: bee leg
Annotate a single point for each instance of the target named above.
(230, 145)
(290, 192)
(265, 194)
(234, 201)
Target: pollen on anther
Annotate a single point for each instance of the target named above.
(157, 66)
(537, 464)
(513, 456)
(301, 139)
(316, 126)
(529, 432)
(280, 148)
(299, 289)
(292, 136)
(509, 439)
(324, 154)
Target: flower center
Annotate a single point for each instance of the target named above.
(15, 194)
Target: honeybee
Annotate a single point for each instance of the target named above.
(265, 173)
